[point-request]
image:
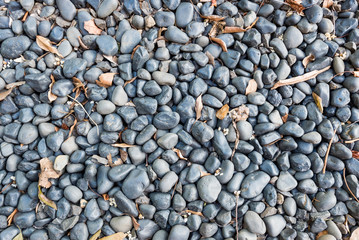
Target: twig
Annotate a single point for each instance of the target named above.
(174, 189)
(94, 191)
(328, 150)
(346, 184)
(351, 141)
(98, 131)
(237, 196)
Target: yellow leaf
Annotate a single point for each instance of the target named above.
(96, 235)
(45, 44)
(123, 145)
(105, 79)
(19, 236)
(45, 200)
(116, 236)
(222, 113)
(91, 27)
(318, 101)
(252, 86)
(308, 59)
(198, 107)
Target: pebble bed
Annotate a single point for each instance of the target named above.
(162, 119)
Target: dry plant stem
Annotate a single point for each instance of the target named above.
(94, 191)
(352, 141)
(237, 196)
(302, 78)
(237, 139)
(346, 184)
(328, 150)
(98, 131)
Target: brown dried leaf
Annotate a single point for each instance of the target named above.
(318, 101)
(136, 225)
(204, 173)
(195, 213)
(111, 163)
(296, 6)
(45, 200)
(45, 44)
(285, 117)
(303, 78)
(130, 81)
(356, 73)
(105, 196)
(134, 50)
(210, 58)
(325, 232)
(179, 153)
(78, 85)
(91, 27)
(112, 59)
(252, 86)
(116, 236)
(96, 235)
(52, 97)
(9, 88)
(11, 217)
(213, 18)
(308, 59)
(47, 171)
(220, 42)
(327, 3)
(123, 145)
(214, 3)
(238, 29)
(82, 44)
(123, 155)
(222, 113)
(239, 113)
(105, 79)
(72, 128)
(355, 154)
(198, 107)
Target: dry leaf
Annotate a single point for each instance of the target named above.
(239, 29)
(213, 17)
(214, 3)
(47, 171)
(130, 104)
(123, 145)
(318, 101)
(325, 232)
(96, 235)
(11, 217)
(91, 27)
(285, 118)
(45, 44)
(111, 163)
(136, 225)
(210, 58)
(198, 107)
(252, 86)
(204, 173)
(222, 113)
(356, 73)
(302, 78)
(19, 236)
(220, 42)
(327, 3)
(112, 59)
(78, 86)
(52, 97)
(123, 155)
(9, 88)
(308, 59)
(82, 44)
(116, 236)
(105, 196)
(100, 159)
(45, 200)
(355, 154)
(179, 154)
(355, 234)
(134, 50)
(239, 113)
(296, 6)
(105, 79)
(195, 213)
(129, 81)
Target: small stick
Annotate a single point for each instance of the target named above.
(346, 184)
(328, 150)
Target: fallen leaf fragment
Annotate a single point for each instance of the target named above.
(355, 154)
(134, 50)
(318, 100)
(356, 73)
(214, 3)
(203, 174)
(220, 42)
(198, 107)
(222, 113)
(45, 44)
(327, 3)
(123, 145)
(91, 27)
(210, 58)
(239, 113)
(19, 235)
(129, 81)
(112, 163)
(179, 153)
(82, 44)
(105, 79)
(296, 6)
(11, 217)
(238, 29)
(213, 17)
(252, 86)
(123, 155)
(105, 196)
(45, 200)
(325, 232)
(136, 225)
(96, 235)
(112, 59)
(308, 59)
(9, 88)
(285, 117)
(47, 171)
(116, 236)
(78, 85)
(195, 213)
(100, 159)
(52, 97)
(302, 78)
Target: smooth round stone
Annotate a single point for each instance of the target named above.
(27, 134)
(79, 231)
(184, 14)
(67, 9)
(105, 107)
(314, 14)
(340, 97)
(121, 224)
(168, 141)
(166, 120)
(256, 98)
(179, 232)
(286, 182)
(164, 18)
(275, 224)
(253, 184)
(27, 4)
(106, 8)
(254, 223)
(163, 78)
(174, 34)
(62, 88)
(129, 40)
(245, 130)
(60, 162)
(209, 188)
(202, 132)
(13, 47)
(73, 66)
(73, 194)
(135, 183)
(107, 45)
(119, 96)
(327, 201)
(312, 137)
(290, 206)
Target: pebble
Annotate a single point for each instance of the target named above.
(208, 188)
(107, 45)
(67, 9)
